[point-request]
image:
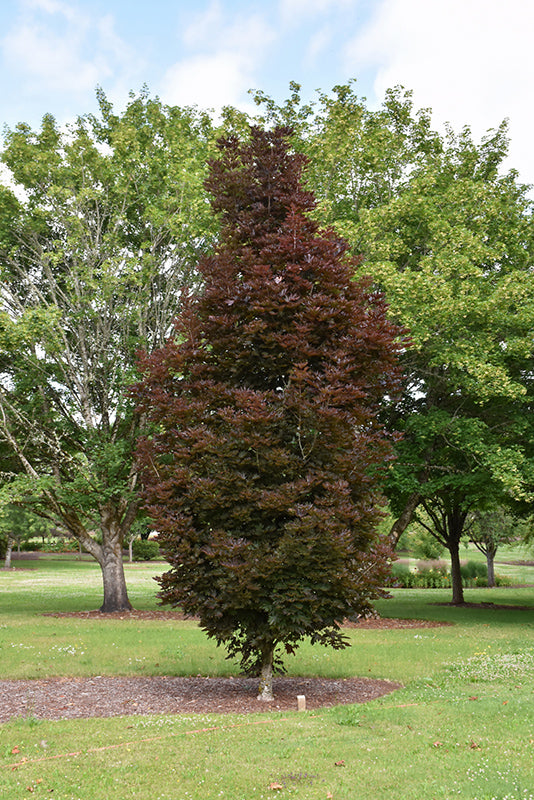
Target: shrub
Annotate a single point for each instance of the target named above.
(474, 574)
(425, 578)
(432, 578)
(419, 543)
(60, 546)
(144, 550)
(401, 576)
(438, 577)
(30, 545)
(503, 580)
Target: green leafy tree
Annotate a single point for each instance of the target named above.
(488, 529)
(454, 254)
(262, 471)
(18, 525)
(448, 236)
(98, 239)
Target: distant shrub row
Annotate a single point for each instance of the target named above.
(142, 550)
(51, 546)
(473, 574)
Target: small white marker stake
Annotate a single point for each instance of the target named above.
(301, 702)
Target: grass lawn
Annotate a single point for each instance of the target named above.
(462, 726)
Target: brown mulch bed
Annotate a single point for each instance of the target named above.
(67, 698)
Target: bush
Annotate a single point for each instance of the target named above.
(401, 576)
(419, 543)
(438, 577)
(144, 550)
(30, 545)
(3, 546)
(60, 546)
(503, 580)
(425, 578)
(432, 578)
(474, 574)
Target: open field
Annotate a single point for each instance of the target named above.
(462, 726)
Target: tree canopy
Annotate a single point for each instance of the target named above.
(448, 235)
(101, 229)
(262, 469)
(99, 235)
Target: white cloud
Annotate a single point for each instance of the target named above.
(55, 47)
(318, 43)
(469, 60)
(214, 30)
(204, 25)
(51, 7)
(228, 54)
(209, 81)
(49, 59)
(295, 10)
(250, 36)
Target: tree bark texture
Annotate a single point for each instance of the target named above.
(456, 575)
(7, 561)
(404, 519)
(265, 689)
(115, 592)
(109, 556)
(490, 560)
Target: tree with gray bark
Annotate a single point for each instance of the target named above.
(101, 226)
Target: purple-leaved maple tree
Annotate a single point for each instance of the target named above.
(263, 468)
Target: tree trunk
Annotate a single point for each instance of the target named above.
(115, 592)
(266, 674)
(7, 562)
(456, 575)
(404, 519)
(490, 560)
(109, 556)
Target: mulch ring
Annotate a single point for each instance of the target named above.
(70, 698)
(173, 616)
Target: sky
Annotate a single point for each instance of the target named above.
(469, 61)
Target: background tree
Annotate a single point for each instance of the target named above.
(18, 525)
(456, 266)
(98, 239)
(488, 530)
(448, 235)
(262, 471)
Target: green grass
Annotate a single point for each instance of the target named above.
(462, 726)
